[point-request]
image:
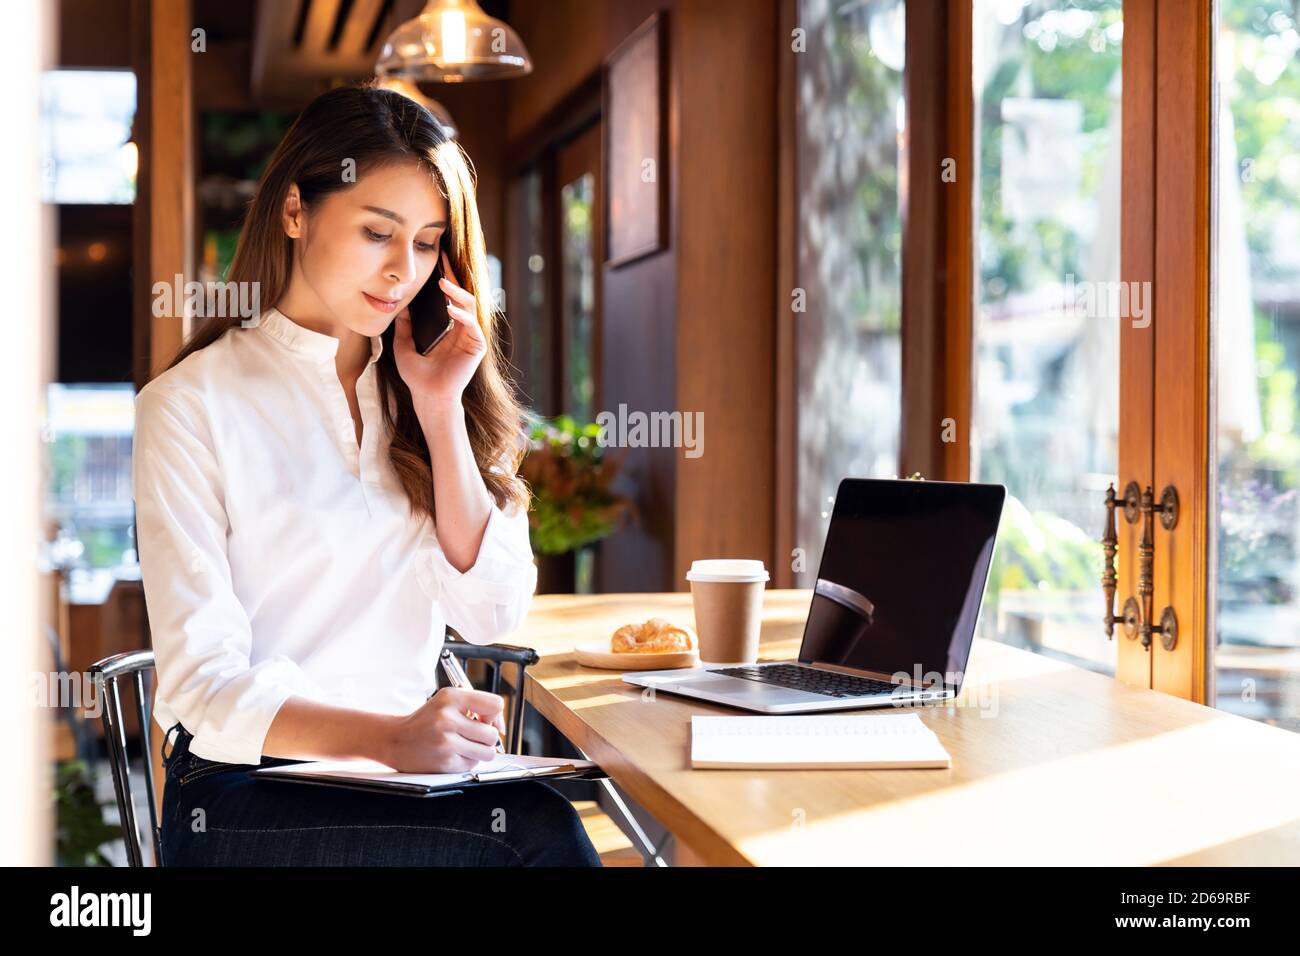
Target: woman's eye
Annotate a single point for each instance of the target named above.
(384, 237)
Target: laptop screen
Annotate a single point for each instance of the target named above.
(902, 576)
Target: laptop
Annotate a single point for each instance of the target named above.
(894, 606)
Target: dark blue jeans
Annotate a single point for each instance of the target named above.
(214, 814)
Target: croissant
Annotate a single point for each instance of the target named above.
(655, 636)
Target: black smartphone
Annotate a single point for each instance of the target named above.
(429, 319)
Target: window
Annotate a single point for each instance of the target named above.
(86, 125)
(1257, 342)
(1046, 402)
(849, 89)
(88, 433)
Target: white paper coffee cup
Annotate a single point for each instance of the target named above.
(728, 597)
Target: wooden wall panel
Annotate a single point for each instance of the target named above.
(164, 223)
(639, 363)
(724, 219)
(938, 251)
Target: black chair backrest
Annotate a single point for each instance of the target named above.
(499, 654)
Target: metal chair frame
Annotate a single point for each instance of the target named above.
(108, 672)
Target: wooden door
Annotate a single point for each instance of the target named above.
(1164, 356)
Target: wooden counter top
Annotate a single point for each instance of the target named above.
(1052, 764)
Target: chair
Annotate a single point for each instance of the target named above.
(106, 674)
(498, 655)
(135, 664)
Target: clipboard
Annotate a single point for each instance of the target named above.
(374, 777)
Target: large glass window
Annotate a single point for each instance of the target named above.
(86, 118)
(88, 497)
(1047, 83)
(1257, 345)
(526, 295)
(847, 307)
(576, 201)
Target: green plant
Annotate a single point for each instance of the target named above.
(1040, 551)
(570, 477)
(81, 830)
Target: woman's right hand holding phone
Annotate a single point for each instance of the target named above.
(440, 736)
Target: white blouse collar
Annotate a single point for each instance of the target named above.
(315, 344)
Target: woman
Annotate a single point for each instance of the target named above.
(289, 476)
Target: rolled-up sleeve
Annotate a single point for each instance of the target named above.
(202, 639)
(492, 598)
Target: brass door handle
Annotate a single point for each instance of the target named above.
(1137, 616)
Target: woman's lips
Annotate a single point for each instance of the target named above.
(382, 305)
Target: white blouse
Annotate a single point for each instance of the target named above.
(280, 558)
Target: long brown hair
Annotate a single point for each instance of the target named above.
(375, 127)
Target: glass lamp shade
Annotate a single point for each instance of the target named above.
(411, 91)
(452, 41)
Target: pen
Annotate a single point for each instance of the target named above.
(456, 674)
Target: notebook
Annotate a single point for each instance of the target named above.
(372, 776)
(821, 741)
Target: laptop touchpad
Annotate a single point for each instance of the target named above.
(743, 689)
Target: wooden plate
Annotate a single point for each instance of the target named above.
(598, 654)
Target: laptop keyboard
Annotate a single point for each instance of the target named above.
(812, 679)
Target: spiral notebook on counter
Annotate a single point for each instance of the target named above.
(814, 742)
(372, 776)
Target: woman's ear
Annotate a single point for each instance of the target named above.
(291, 215)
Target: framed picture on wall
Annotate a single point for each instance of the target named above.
(635, 97)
